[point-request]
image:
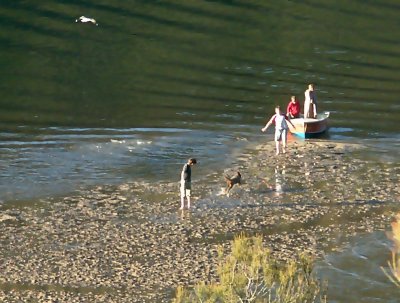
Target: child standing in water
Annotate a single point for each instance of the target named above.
(186, 182)
(281, 129)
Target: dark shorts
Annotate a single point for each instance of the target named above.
(279, 133)
(186, 188)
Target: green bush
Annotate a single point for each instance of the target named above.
(250, 274)
(394, 267)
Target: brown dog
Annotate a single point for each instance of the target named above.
(230, 182)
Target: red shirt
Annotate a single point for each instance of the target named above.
(293, 108)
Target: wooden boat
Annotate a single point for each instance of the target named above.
(309, 127)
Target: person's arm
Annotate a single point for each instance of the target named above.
(268, 124)
(184, 171)
(288, 120)
(288, 108)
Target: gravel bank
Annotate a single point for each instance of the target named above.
(131, 243)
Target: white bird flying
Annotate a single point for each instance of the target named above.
(83, 19)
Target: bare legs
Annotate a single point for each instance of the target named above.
(185, 193)
(183, 202)
(307, 109)
(314, 110)
(284, 141)
(282, 137)
(310, 110)
(283, 147)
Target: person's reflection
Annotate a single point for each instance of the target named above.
(185, 215)
(307, 172)
(279, 179)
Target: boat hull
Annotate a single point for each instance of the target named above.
(308, 128)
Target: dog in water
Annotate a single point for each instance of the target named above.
(230, 182)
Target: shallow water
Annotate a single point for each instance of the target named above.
(355, 273)
(64, 160)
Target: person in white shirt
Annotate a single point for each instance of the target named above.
(281, 128)
(310, 102)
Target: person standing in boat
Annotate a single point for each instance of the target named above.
(281, 129)
(310, 102)
(293, 108)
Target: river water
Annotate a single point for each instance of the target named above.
(157, 82)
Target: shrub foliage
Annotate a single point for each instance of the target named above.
(250, 274)
(394, 264)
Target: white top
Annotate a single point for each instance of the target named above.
(310, 94)
(280, 122)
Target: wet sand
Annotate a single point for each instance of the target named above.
(131, 243)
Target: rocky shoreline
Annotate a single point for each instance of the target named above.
(130, 243)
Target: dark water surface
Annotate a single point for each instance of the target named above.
(159, 81)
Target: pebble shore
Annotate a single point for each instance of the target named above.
(131, 243)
